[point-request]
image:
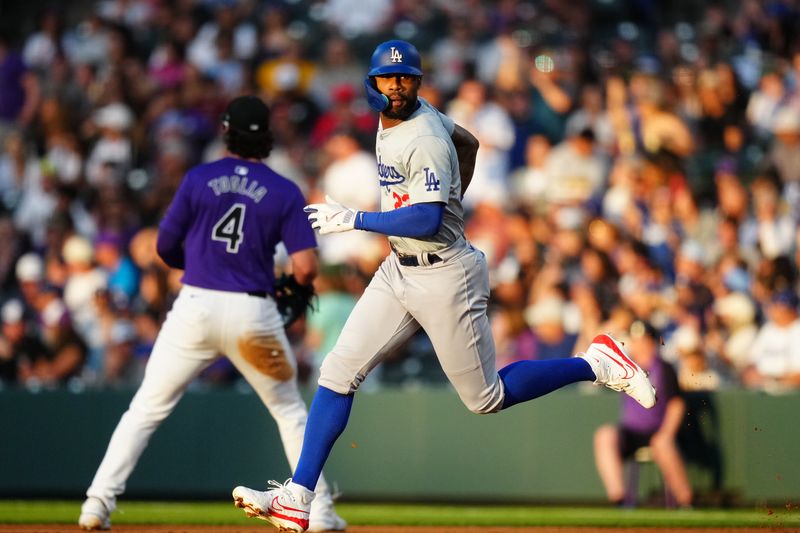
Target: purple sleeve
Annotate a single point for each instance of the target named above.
(178, 217)
(174, 226)
(169, 247)
(296, 232)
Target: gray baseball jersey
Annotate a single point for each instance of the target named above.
(446, 295)
(417, 163)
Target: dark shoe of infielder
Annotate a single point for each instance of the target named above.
(285, 506)
(613, 368)
(94, 516)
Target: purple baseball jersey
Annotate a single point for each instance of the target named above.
(231, 214)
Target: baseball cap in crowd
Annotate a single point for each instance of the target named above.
(30, 268)
(343, 93)
(737, 307)
(787, 120)
(77, 250)
(737, 280)
(570, 218)
(114, 116)
(786, 297)
(547, 310)
(109, 238)
(692, 251)
(640, 328)
(686, 339)
(12, 312)
(248, 114)
(54, 313)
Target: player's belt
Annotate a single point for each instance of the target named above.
(258, 294)
(413, 260)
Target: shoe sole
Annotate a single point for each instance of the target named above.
(256, 512)
(95, 526)
(638, 381)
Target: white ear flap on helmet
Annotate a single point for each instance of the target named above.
(376, 99)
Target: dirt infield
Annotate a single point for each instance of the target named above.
(128, 528)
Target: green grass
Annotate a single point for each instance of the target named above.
(130, 512)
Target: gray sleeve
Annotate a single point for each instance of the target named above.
(447, 122)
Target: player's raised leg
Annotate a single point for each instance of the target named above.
(466, 349)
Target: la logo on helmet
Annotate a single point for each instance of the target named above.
(396, 56)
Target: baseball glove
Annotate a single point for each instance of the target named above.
(292, 298)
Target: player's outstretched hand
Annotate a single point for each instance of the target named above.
(330, 217)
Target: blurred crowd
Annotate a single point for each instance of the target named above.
(639, 160)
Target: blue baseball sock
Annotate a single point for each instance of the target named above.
(327, 418)
(526, 380)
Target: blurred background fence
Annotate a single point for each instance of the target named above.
(398, 446)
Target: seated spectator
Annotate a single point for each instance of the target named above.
(338, 69)
(694, 371)
(784, 154)
(83, 281)
(474, 109)
(575, 170)
(774, 227)
(14, 244)
(16, 342)
(530, 182)
(657, 427)
(546, 318)
(29, 272)
(775, 354)
(737, 314)
(513, 339)
(120, 364)
(111, 156)
(123, 277)
(345, 113)
(64, 352)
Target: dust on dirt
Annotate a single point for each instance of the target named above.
(147, 528)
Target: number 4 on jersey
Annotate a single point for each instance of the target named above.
(229, 228)
(431, 183)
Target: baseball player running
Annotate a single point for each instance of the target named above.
(433, 279)
(222, 228)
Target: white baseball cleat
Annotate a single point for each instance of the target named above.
(285, 506)
(323, 517)
(613, 368)
(94, 516)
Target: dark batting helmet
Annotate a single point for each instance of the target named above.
(391, 57)
(395, 57)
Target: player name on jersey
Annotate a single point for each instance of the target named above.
(238, 185)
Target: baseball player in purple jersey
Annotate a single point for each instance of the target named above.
(222, 228)
(433, 279)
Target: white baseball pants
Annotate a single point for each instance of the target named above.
(202, 324)
(448, 300)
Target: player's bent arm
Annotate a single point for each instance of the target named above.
(305, 265)
(673, 417)
(418, 220)
(467, 149)
(169, 246)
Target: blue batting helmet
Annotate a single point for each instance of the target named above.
(395, 57)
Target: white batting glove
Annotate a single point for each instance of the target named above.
(331, 217)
